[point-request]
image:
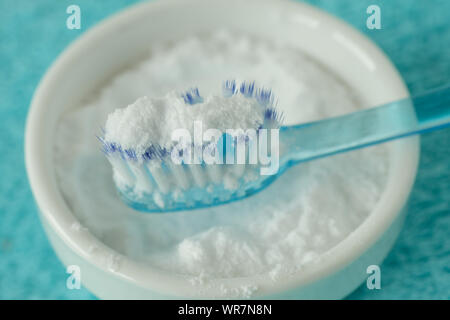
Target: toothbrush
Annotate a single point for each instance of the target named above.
(156, 184)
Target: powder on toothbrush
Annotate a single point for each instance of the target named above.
(152, 121)
(301, 216)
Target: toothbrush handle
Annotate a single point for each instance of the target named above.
(367, 127)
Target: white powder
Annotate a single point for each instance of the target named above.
(303, 214)
(151, 121)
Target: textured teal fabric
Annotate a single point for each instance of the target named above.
(415, 34)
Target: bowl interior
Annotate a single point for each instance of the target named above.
(122, 40)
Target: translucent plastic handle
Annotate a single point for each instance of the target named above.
(367, 127)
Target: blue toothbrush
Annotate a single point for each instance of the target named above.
(164, 186)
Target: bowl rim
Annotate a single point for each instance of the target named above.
(55, 211)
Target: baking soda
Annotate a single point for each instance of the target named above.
(303, 214)
(153, 121)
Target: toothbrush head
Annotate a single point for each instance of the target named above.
(186, 151)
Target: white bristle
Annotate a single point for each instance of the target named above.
(238, 170)
(198, 175)
(121, 169)
(180, 176)
(241, 159)
(158, 175)
(215, 172)
(143, 181)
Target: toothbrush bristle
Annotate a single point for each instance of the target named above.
(247, 89)
(154, 152)
(265, 97)
(229, 88)
(108, 147)
(192, 96)
(273, 118)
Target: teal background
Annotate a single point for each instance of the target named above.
(415, 34)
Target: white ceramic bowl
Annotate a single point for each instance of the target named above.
(124, 38)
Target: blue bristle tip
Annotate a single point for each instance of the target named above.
(265, 97)
(247, 89)
(229, 88)
(192, 96)
(273, 116)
